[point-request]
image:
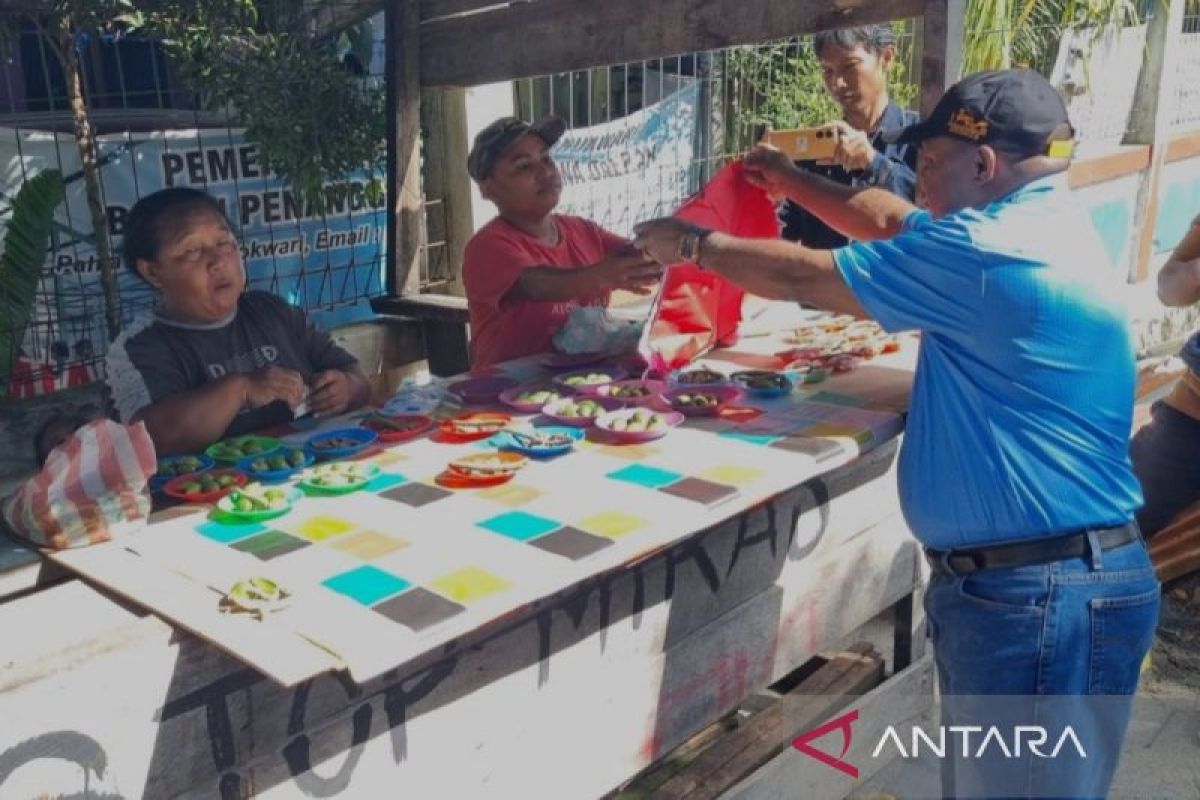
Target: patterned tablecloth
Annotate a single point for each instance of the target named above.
(384, 574)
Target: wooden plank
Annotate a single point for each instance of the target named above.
(1184, 146)
(405, 201)
(540, 38)
(1090, 171)
(1150, 121)
(438, 9)
(903, 699)
(767, 734)
(275, 651)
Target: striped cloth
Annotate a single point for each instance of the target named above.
(92, 488)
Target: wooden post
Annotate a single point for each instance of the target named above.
(444, 118)
(1150, 122)
(941, 49)
(406, 222)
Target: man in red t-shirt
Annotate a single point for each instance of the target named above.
(526, 269)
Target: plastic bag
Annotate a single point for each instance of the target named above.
(592, 329)
(696, 310)
(91, 489)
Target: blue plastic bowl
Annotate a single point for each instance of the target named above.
(361, 437)
(157, 482)
(506, 441)
(275, 475)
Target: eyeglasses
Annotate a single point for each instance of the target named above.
(197, 254)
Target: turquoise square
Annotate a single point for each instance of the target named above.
(226, 533)
(384, 481)
(650, 477)
(762, 439)
(367, 584)
(520, 526)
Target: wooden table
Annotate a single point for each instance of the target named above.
(565, 694)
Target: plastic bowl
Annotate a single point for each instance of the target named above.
(587, 379)
(265, 444)
(474, 425)
(160, 479)
(341, 443)
(554, 410)
(291, 495)
(488, 465)
(777, 384)
(398, 427)
(511, 397)
(275, 475)
(478, 391)
(690, 378)
(654, 391)
(608, 423)
(174, 487)
(521, 442)
(366, 473)
(723, 394)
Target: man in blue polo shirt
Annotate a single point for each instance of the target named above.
(1014, 472)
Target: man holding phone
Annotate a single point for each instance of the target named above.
(854, 64)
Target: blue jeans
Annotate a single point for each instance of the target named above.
(1065, 637)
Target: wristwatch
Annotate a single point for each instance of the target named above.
(689, 245)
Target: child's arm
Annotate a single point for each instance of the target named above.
(1179, 280)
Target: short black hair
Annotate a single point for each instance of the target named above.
(151, 214)
(873, 38)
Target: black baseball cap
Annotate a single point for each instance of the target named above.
(496, 137)
(1014, 110)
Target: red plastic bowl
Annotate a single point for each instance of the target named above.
(415, 425)
(172, 487)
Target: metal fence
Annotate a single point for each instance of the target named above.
(155, 128)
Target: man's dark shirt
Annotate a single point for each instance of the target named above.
(893, 168)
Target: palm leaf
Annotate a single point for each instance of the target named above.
(25, 244)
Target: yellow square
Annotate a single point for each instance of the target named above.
(369, 545)
(388, 457)
(468, 583)
(612, 524)
(322, 527)
(860, 435)
(629, 452)
(511, 495)
(732, 474)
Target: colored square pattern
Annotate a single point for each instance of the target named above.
(416, 494)
(512, 495)
(750, 438)
(367, 585)
(383, 481)
(468, 584)
(369, 545)
(836, 399)
(418, 609)
(174, 512)
(861, 435)
(613, 524)
(700, 491)
(571, 543)
(227, 534)
(628, 452)
(322, 527)
(641, 475)
(387, 458)
(732, 474)
(271, 544)
(820, 449)
(519, 526)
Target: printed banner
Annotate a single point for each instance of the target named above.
(635, 168)
(330, 264)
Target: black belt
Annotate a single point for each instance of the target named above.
(956, 563)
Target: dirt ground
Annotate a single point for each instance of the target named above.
(1175, 657)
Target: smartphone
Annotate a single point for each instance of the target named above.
(805, 144)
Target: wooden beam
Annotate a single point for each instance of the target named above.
(406, 213)
(1151, 121)
(561, 35)
(437, 9)
(1184, 146)
(1089, 171)
(935, 35)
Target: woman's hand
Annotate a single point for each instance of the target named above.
(331, 393)
(275, 383)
